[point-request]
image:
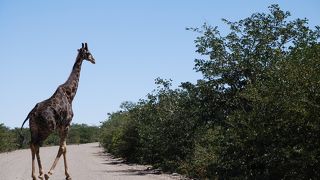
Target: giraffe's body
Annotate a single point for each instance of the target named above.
(56, 113)
(49, 115)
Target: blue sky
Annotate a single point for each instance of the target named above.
(133, 42)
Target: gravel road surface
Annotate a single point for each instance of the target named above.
(86, 162)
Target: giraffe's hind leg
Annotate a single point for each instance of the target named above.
(33, 154)
(41, 175)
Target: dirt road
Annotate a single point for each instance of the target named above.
(86, 162)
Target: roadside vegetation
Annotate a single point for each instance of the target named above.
(79, 133)
(253, 115)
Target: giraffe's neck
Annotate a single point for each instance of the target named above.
(71, 85)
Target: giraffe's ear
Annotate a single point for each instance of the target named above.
(86, 46)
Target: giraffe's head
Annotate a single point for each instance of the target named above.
(85, 54)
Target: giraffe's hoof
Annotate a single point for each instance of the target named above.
(46, 176)
(34, 177)
(68, 178)
(41, 177)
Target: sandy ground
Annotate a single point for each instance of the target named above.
(86, 162)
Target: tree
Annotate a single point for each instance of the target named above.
(259, 84)
(245, 55)
(254, 115)
(7, 139)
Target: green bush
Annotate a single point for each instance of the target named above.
(7, 139)
(263, 96)
(82, 133)
(147, 131)
(119, 137)
(10, 139)
(78, 134)
(254, 115)
(279, 137)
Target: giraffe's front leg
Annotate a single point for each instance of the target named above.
(62, 150)
(68, 177)
(63, 136)
(54, 163)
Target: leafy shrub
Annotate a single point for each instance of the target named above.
(10, 139)
(7, 139)
(254, 115)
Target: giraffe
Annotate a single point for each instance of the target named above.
(55, 114)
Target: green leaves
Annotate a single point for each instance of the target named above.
(254, 115)
(259, 94)
(251, 47)
(7, 139)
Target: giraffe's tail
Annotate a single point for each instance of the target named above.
(22, 139)
(28, 117)
(24, 123)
